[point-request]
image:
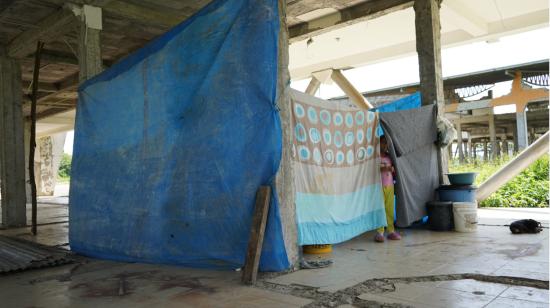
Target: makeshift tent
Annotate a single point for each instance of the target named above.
(172, 143)
(337, 171)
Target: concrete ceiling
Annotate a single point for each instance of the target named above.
(393, 35)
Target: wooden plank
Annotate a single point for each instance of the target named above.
(48, 29)
(353, 94)
(257, 231)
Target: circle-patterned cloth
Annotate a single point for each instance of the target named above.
(349, 120)
(370, 117)
(369, 134)
(299, 110)
(370, 150)
(340, 157)
(327, 137)
(329, 157)
(361, 154)
(314, 135)
(325, 117)
(312, 115)
(360, 118)
(300, 132)
(360, 136)
(303, 153)
(317, 158)
(349, 157)
(338, 139)
(350, 138)
(338, 119)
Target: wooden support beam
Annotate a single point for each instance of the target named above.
(459, 142)
(313, 86)
(257, 231)
(346, 86)
(47, 30)
(353, 14)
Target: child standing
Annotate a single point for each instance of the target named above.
(386, 171)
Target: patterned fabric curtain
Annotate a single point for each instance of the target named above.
(337, 174)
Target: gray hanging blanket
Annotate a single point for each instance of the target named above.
(411, 135)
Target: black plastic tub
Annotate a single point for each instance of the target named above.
(440, 215)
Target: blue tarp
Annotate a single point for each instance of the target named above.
(408, 102)
(172, 143)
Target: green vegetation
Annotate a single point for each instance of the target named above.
(64, 173)
(529, 189)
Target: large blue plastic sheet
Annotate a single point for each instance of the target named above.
(172, 143)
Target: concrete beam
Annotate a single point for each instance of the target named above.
(47, 30)
(353, 14)
(465, 18)
(89, 43)
(12, 150)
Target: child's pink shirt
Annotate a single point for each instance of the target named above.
(387, 176)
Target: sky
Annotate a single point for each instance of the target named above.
(509, 50)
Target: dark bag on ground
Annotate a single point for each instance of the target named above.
(525, 226)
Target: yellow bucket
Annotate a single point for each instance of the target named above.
(317, 249)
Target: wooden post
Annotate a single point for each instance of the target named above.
(12, 149)
(428, 47)
(459, 141)
(257, 230)
(35, 80)
(313, 86)
(354, 95)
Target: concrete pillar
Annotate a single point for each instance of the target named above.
(89, 43)
(428, 47)
(12, 150)
(492, 134)
(505, 146)
(474, 150)
(284, 181)
(459, 142)
(485, 151)
(515, 138)
(521, 124)
(50, 152)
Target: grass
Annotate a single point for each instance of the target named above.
(529, 189)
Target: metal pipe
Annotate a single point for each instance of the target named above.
(513, 167)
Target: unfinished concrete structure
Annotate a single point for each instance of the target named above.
(83, 39)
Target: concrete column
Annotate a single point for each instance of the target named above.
(515, 138)
(505, 146)
(428, 47)
(497, 148)
(474, 150)
(12, 150)
(485, 151)
(89, 43)
(459, 142)
(50, 152)
(284, 181)
(521, 124)
(492, 134)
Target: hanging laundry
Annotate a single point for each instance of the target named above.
(337, 171)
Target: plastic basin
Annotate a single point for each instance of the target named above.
(464, 178)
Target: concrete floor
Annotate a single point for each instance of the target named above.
(425, 269)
